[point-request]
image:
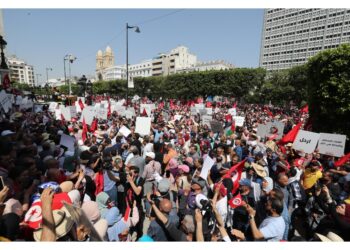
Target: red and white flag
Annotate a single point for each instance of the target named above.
(236, 201)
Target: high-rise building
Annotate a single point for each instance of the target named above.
(20, 71)
(1, 24)
(291, 36)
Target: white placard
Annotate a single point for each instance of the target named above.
(119, 109)
(306, 141)
(38, 108)
(143, 125)
(202, 111)
(26, 104)
(128, 114)
(102, 113)
(206, 119)
(194, 111)
(239, 120)
(207, 165)
(73, 111)
(331, 144)
(66, 113)
(199, 106)
(89, 113)
(5, 101)
(233, 111)
(77, 107)
(209, 111)
(53, 106)
(19, 100)
(261, 130)
(177, 117)
(125, 131)
(275, 126)
(68, 142)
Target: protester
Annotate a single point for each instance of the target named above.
(183, 180)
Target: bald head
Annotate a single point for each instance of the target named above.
(165, 206)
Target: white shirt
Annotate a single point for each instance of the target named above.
(221, 206)
(272, 228)
(148, 148)
(130, 155)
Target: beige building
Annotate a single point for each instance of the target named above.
(170, 63)
(20, 71)
(104, 60)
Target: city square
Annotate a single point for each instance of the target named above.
(159, 125)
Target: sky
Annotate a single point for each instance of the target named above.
(42, 37)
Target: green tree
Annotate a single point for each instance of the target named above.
(329, 90)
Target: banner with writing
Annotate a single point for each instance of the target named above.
(331, 144)
(306, 141)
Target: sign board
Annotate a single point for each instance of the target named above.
(209, 111)
(5, 101)
(239, 120)
(207, 165)
(143, 125)
(216, 126)
(38, 108)
(202, 112)
(68, 142)
(53, 106)
(275, 127)
(146, 107)
(119, 109)
(261, 130)
(177, 117)
(232, 111)
(125, 131)
(306, 141)
(19, 100)
(199, 106)
(73, 111)
(206, 119)
(66, 113)
(88, 113)
(331, 144)
(128, 114)
(102, 113)
(194, 111)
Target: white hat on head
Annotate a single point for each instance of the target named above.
(7, 132)
(151, 155)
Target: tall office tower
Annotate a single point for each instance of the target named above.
(291, 36)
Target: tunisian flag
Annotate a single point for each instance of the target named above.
(342, 160)
(235, 173)
(291, 135)
(236, 201)
(81, 104)
(304, 109)
(93, 126)
(85, 130)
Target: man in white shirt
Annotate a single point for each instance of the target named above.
(148, 146)
(272, 228)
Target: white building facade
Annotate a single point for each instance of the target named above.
(20, 71)
(291, 36)
(210, 65)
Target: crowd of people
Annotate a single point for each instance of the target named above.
(151, 187)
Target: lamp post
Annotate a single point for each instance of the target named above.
(137, 30)
(71, 59)
(47, 74)
(37, 79)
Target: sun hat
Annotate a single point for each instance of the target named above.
(199, 198)
(259, 169)
(66, 186)
(63, 224)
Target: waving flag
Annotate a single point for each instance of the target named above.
(235, 173)
(342, 160)
(85, 130)
(236, 201)
(304, 109)
(81, 104)
(291, 135)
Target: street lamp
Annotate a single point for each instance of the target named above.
(3, 44)
(71, 59)
(37, 78)
(137, 30)
(47, 74)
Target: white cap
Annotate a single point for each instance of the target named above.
(7, 132)
(200, 197)
(151, 155)
(60, 132)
